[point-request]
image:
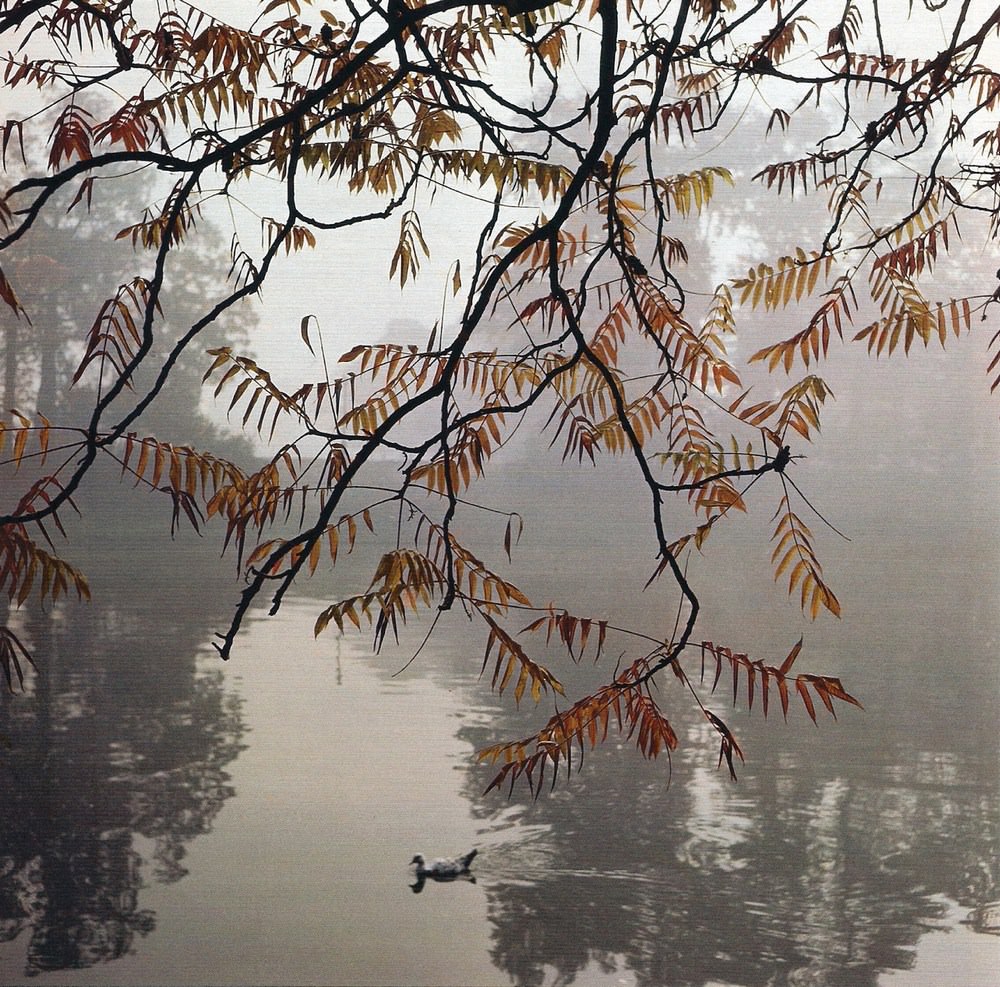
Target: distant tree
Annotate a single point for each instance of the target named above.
(65, 266)
(581, 132)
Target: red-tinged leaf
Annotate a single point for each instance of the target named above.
(728, 745)
(534, 625)
(834, 687)
(323, 620)
(783, 693)
(354, 353)
(734, 405)
(657, 572)
(9, 297)
(12, 652)
(86, 190)
(786, 665)
(718, 670)
(765, 683)
(802, 687)
(10, 128)
(821, 690)
(567, 630)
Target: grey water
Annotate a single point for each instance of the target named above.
(167, 818)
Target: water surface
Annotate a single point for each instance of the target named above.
(170, 819)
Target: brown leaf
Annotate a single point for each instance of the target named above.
(786, 665)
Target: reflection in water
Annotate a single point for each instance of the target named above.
(831, 889)
(119, 738)
(836, 852)
(829, 863)
(817, 869)
(841, 847)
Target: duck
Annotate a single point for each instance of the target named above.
(444, 869)
(985, 918)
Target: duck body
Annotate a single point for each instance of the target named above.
(986, 918)
(444, 869)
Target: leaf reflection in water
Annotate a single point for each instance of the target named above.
(839, 857)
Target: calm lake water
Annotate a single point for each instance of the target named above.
(169, 819)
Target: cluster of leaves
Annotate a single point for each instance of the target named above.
(629, 705)
(387, 103)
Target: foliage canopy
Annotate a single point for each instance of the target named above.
(577, 132)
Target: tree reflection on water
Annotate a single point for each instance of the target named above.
(119, 738)
(824, 865)
(839, 848)
(836, 851)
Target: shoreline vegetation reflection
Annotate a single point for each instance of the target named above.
(824, 865)
(811, 871)
(114, 760)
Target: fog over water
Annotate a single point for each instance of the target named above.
(170, 818)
